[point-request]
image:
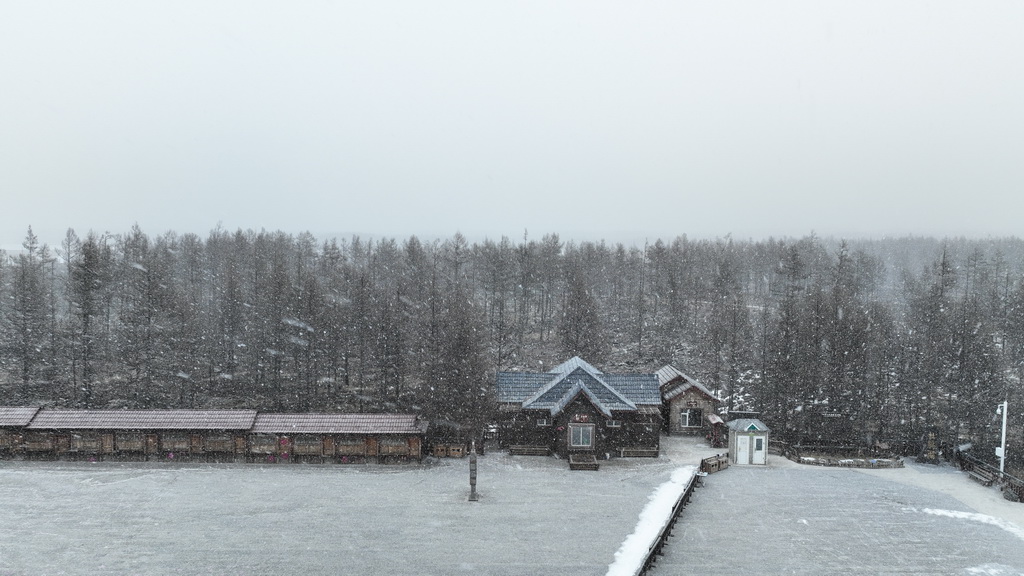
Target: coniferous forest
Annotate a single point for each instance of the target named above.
(897, 336)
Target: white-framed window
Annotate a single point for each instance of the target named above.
(543, 422)
(614, 424)
(581, 435)
(690, 417)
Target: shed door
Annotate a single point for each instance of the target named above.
(108, 443)
(742, 449)
(760, 450)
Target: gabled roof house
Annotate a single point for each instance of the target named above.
(574, 408)
(689, 406)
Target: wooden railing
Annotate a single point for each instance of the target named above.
(1007, 482)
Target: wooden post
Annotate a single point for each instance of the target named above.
(473, 496)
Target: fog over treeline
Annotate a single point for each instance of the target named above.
(896, 335)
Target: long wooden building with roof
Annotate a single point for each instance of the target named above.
(579, 413)
(211, 435)
(345, 437)
(166, 434)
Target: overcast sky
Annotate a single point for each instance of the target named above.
(590, 119)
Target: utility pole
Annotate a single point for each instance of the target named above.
(1003, 408)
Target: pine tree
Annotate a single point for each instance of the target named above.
(29, 325)
(89, 285)
(579, 326)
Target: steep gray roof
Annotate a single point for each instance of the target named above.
(552, 391)
(17, 416)
(564, 387)
(572, 364)
(673, 383)
(48, 419)
(338, 424)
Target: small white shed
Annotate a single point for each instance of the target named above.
(748, 441)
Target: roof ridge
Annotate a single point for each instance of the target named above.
(574, 389)
(572, 364)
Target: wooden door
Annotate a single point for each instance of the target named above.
(239, 444)
(107, 443)
(152, 444)
(63, 443)
(195, 443)
(328, 445)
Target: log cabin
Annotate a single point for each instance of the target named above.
(579, 413)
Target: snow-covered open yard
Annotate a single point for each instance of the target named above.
(534, 516)
(790, 518)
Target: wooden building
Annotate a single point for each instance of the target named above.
(344, 438)
(139, 434)
(687, 404)
(209, 435)
(579, 413)
(13, 420)
(748, 441)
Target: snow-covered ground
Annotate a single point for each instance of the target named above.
(788, 518)
(534, 517)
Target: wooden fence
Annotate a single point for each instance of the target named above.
(1007, 483)
(659, 542)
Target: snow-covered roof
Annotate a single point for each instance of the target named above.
(338, 424)
(554, 390)
(18, 416)
(572, 364)
(747, 425)
(673, 383)
(50, 419)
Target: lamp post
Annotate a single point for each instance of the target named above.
(473, 496)
(1003, 408)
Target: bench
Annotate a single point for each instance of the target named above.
(524, 450)
(638, 453)
(983, 476)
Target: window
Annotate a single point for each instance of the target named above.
(758, 444)
(543, 422)
(581, 435)
(690, 417)
(614, 424)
